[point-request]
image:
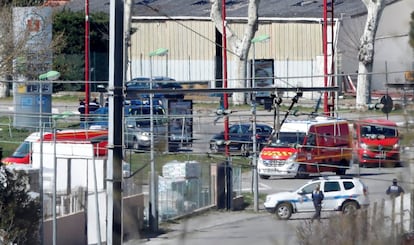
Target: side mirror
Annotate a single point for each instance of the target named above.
(301, 193)
(307, 148)
(126, 169)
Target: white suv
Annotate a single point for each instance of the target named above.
(344, 194)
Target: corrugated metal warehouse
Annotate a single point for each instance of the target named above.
(295, 47)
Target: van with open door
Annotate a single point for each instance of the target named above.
(302, 147)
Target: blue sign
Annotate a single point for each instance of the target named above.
(44, 100)
(26, 101)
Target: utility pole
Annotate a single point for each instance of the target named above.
(115, 101)
(255, 40)
(228, 167)
(87, 96)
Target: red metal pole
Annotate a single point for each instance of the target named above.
(332, 24)
(86, 58)
(225, 95)
(325, 56)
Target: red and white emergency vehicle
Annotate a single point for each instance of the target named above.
(302, 147)
(22, 155)
(376, 142)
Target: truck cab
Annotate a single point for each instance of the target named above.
(376, 142)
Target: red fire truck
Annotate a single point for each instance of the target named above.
(22, 155)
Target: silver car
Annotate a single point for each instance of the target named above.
(138, 132)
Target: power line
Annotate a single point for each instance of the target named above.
(188, 28)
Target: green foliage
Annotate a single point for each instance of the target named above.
(72, 66)
(411, 31)
(21, 3)
(72, 25)
(248, 198)
(70, 60)
(20, 213)
(99, 32)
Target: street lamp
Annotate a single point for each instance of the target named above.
(261, 38)
(50, 76)
(161, 52)
(153, 218)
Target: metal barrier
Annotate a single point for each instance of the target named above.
(178, 196)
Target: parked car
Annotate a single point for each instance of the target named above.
(169, 83)
(345, 194)
(134, 86)
(138, 126)
(241, 138)
(143, 83)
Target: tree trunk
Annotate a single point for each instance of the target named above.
(5, 86)
(3, 90)
(366, 52)
(239, 47)
(240, 98)
(363, 86)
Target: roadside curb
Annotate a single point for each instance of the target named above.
(208, 218)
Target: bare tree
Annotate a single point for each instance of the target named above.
(239, 46)
(8, 49)
(366, 51)
(16, 57)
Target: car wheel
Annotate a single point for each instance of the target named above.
(349, 208)
(135, 144)
(355, 160)
(244, 149)
(214, 147)
(264, 176)
(173, 146)
(302, 174)
(283, 211)
(342, 169)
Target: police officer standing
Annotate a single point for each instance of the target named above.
(317, 197)
(394, 190)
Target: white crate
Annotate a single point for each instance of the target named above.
(180, 170)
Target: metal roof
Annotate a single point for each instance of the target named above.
(234, 8)
(238, 8)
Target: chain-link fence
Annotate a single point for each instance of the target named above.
(185, 187)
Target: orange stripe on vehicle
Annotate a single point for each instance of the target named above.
(276, 153)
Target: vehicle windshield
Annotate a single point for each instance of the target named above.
(375, 131)
(289, 138)
(140, 116)
(146, 111)
(143, 123)
(22, 150)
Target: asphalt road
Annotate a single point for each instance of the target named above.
(248, 227)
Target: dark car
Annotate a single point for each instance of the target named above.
(169, 83)
(134, 86)
(144, 83)
(241, 138)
